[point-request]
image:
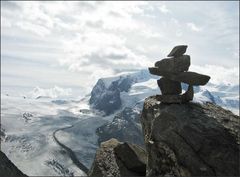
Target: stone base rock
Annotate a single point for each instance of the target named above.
(169, 87)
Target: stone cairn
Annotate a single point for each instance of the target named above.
(174, 70)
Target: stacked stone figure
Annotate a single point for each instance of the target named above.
(174, 70)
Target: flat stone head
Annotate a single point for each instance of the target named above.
(178, 51)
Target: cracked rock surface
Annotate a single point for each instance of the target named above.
(190, 139)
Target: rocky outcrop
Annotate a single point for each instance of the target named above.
(114, 158)
(7, 168)
(107, 98)
(125, 127)
(190, 139)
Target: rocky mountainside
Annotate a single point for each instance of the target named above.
(190, 139)
(7, 168)
(125, 127)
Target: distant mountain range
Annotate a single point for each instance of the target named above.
(111, 94)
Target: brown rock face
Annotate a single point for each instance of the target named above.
(190, 139)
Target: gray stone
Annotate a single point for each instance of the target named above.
(174, 65)
(169, 87)
(178, 51)
(190, 139)
(191, 78)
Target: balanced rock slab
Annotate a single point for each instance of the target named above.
(174, 65)
(191, 78)
(169, 87)
(178, 51)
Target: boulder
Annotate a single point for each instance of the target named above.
(133, 157)
(110, 160)
(174, 65)
(191, 78)
(178, 51)
(169, 87)
(190, 139)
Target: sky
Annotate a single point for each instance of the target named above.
(72, 44)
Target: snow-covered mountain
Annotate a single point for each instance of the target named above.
(112, 109)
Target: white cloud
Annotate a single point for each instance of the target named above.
(97, 39)
(163, 8)
(54, 92)
(218, 74)
(193, 27)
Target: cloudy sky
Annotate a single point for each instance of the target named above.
(72, 44)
